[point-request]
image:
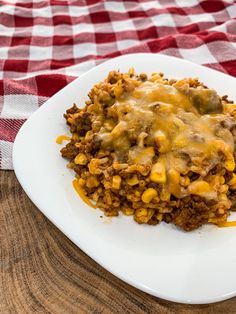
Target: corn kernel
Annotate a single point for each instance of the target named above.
(158, 173)
(184, 181)
(81, 182)
(118, 90)
(161, 141)
(199, 187)
(213, 220)
(233, 187)
(173, 182)
(128, 211)
(148, 195)
(107, 185)
(143, 215)
(233, 180)
(154, 77)
(229, 107)
(88, 135)
(173, 176)
(92, 182)
(116, 181)
(141, 212)
(118, 129)
(81, 159)
(229, 164)
(137, 193)
(159, 217)
(150, 213)
(133, 181)
(223, 197)
(131, 72)
(222, 180)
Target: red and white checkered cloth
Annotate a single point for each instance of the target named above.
(45, 44)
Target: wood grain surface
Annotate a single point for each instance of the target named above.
(44, 272)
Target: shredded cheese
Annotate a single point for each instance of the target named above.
(80, 191)
(228, 224)
(62, 138)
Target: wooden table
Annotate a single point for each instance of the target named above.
(44, 272)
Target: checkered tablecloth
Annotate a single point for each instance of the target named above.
(45, 44)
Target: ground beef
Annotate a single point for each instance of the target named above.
(191, 214)
(70, 151)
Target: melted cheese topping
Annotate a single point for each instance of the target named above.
(164, 116)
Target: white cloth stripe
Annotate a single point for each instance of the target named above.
(231, 11)
(19, 106)
(6, 155)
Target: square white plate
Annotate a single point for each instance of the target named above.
(195, 267)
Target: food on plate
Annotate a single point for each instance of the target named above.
(156, 148)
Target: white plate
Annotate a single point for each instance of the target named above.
(195, 267)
